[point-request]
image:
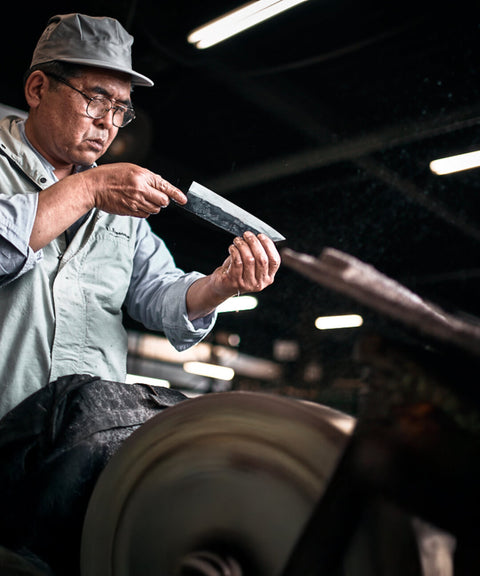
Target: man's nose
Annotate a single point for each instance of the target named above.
(107, 120)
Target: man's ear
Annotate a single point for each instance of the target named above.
(35, 86)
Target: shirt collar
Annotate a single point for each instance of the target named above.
(46, 164)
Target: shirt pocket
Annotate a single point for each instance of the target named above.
(107, 266)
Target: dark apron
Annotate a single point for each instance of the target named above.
(53, 447)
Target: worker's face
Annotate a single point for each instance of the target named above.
(63, 131)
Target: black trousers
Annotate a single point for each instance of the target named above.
(53, 447)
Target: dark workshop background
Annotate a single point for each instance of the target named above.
(322, 122)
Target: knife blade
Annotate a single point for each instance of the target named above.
(224, 214)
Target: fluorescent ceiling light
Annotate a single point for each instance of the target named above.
(209, 370)
(333, 322)
(456, 163)
(238, 20)
(237, 303)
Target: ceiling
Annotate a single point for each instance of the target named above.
(322, 122)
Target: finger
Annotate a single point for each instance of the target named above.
(266, 254)
(249, 273)
(273, 255)
(260, 256)
(148, 199)
(170, 191)
(236, 262)
(141, 214)
(240, 278)
(142, 205)
(225, 267)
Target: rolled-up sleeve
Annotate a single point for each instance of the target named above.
(17, 216)
(158, 289)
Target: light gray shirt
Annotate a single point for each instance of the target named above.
(61, 307)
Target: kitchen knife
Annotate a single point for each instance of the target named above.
(224, 214)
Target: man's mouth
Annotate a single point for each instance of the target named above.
(96, 143)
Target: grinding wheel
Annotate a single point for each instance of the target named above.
(234, 473)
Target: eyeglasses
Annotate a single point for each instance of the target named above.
(99, 106)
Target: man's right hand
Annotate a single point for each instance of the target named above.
(121, 188)
(129, 190)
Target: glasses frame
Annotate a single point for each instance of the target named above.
(91, 99)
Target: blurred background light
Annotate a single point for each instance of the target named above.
(209, 370)
(335, 322)
(457, 163)
(238, 303)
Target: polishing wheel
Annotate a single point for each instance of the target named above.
(227, 480)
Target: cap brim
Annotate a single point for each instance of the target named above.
(137, 79)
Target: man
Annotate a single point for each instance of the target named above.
(74, 241)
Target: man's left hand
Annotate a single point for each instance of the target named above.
(251, 265)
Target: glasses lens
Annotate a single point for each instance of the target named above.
(123, 116)
(97, 107)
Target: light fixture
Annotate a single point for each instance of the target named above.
(238, 20)
(138, 379)
(237, 303)
(334, 322)
(456, 163)
(209, 370)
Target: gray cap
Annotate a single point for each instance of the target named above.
(92, 41)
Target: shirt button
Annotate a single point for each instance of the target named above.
(43, 180)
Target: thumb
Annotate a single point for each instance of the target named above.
(225, 267)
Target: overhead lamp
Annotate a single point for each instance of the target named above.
(238, 303)
(455, 163)
(237, 21)
(209, 370)
(335, 322)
